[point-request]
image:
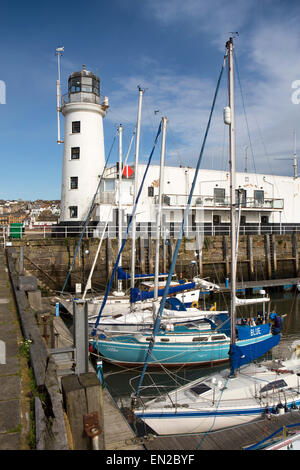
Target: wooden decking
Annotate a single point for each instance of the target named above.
(236, 438)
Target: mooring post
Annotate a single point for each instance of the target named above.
(21, 261)
(81, 341)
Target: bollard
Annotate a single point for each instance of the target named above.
(57, 309)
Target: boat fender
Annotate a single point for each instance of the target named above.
(195, 304)
(280, 408)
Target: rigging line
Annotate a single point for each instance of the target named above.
(244, 109)
(166, 290)
(93, 333)
(88, 216)
(213, 423)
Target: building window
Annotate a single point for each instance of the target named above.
(243, 220)
(74, 182)
(258, 197)
(75, 153)
(73, 212)
(216, 219)
(150, 191)
(75, 127)
(109, 184)
(264, 219)
(241, 197)
(219, 195)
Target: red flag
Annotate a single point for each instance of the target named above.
(127, 171)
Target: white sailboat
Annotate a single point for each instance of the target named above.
(245, 391)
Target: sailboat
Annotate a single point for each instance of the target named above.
(117, 303)
(204, 343)
(245, 391)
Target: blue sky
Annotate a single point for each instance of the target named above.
(172, 48)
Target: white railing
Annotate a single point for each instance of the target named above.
(180, 200)
(146, 230)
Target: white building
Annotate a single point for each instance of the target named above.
(83, 156)
(267, 203)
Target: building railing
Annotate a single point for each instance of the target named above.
(180, 200)
(146, 230)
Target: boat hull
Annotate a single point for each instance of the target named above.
(130, 352)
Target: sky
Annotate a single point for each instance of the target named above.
(174, 50)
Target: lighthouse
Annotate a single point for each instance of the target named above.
(83, 154)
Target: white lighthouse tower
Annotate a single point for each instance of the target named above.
(84, 155)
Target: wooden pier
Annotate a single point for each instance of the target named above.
(289, 282)
(236, 438)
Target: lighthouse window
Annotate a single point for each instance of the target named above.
(75, 127)
(75, 153)
(73, 212)
(74, 182)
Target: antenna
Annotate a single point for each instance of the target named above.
(59, 51)
(294, 158)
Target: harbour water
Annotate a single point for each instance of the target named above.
(122, 382)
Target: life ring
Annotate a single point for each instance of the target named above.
(195, 304)
(214, 307)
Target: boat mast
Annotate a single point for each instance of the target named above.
(295, 157)
(229, 46)
(120, 225)
(137, 151)
(158, 215)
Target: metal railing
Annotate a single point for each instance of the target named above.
(148, 229)
(180, 200)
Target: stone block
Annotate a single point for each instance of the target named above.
(35, 299)
(27, 283)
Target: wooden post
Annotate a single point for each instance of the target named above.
(150, 254)
(295, 253)
(142, 254)
(268, 256)
(109, 266)
(274, 254)
(83, 397)
(250, 256)
(226, 256)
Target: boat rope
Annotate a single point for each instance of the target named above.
(88, 216)
(166, 290)
(213, 423)
(108, 288)
(244, 109)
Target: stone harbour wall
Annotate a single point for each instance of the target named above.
(259, 257)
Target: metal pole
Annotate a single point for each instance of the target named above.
(120, 225)
(81, 341)
(229, 46)
(138, 133)
(158, 216)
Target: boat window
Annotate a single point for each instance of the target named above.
(165, 339)
(200, 388)
(218, 337)
(200, 338)
(272, 385)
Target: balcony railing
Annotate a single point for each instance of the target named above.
(146, 230)
(180, 200)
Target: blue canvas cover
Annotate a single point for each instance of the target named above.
(241, 355)
(137, 296)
